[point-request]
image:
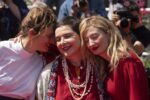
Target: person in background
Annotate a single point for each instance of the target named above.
(80, 9)
(22, 6)
(122, 18)
(125, 77)
(95, 6)
(11, 15)
(21, 62)
(138, 29)
(53, 4)
(98, 7)
(69, 76)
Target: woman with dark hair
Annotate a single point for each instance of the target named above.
(69, 76)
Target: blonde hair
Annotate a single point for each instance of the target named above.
(116, 47)
(38, 18)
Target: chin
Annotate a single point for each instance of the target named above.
(46, 50)
(68, 55)
(94, 52)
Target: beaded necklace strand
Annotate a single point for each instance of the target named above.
(73, 87)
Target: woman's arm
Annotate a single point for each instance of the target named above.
(42, 83)
(138, 84)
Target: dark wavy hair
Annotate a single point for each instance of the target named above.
(71, 21)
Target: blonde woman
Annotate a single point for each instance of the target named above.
(125, 78)
(20, 63)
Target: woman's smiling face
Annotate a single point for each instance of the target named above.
(96, 41)
(67, 41)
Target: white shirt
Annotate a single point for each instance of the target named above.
(19, 70)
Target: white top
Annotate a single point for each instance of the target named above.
(19, 70)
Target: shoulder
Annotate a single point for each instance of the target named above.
(131, 58)
(47, 69)
(44, 78)
(67, 4)
(42, 83)
(131, 65)
(130, 61)
(6, 44)
(11, 46)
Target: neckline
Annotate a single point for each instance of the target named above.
(23, 52)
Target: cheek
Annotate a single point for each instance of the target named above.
(58, 45)
(105, 43)
(78, 42)
(86, 43)
(45, 41)
(73, 41)
(88, 47)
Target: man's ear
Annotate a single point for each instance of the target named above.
(32, 33)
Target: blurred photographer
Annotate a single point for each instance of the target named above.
(123, 19)
(83, 9)
(77, 7)
(139, 30)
